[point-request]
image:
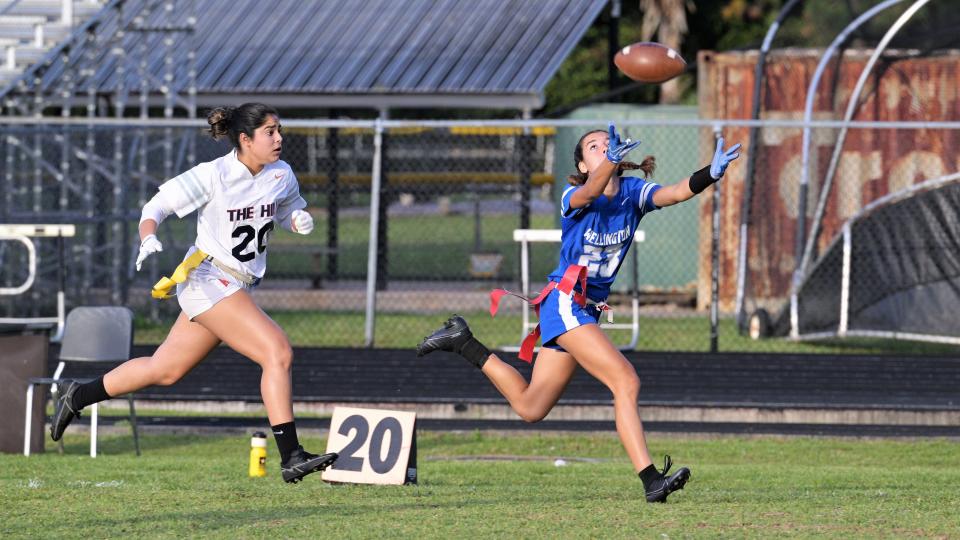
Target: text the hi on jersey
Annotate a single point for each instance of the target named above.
(240, 214)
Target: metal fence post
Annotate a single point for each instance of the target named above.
(715, 263)
(374, 230)
(6, 179)
(525, 149)
(384, 198)
(332, 141)
(753, 148)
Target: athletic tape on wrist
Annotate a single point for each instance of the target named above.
(701, 180)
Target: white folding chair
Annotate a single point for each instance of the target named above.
(91, 334)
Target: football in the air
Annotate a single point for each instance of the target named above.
(649, 62)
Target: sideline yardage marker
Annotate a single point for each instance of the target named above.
(376, 446)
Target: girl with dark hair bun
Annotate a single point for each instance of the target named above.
(231, 122)
(600, 213)
(240, 198)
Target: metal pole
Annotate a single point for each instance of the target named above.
(61, 287)
(90, 150)
(526, 169)
(6, 185)
(332, 141)
(383, 245)
(191, 41)
(167, 90)
(65, 112)
(37, 153)
(191, 69)
(525, 148)
(168, 93)
(120, 233)
(139, 22)
(845, 282)
(525, 283)
(374, 229)
(477, 233)
(753, 147)
(27, 120)
(715, 264)
(10, 188)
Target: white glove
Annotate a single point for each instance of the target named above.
(149, 246)
(302, 222)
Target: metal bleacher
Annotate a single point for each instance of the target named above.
(30, 28)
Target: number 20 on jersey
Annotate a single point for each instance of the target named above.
(375, 446)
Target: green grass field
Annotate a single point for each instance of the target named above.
(196, 486)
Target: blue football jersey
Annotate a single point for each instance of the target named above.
(599, 235)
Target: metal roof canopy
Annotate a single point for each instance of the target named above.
(380, 54)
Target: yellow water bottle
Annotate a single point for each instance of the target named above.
(258, 454)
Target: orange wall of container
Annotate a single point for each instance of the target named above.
(873, 163)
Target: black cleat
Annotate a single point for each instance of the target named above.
(450, 337)
(64, 412)
(301, 463)
(665, 485)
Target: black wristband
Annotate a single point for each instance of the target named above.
(701, 180)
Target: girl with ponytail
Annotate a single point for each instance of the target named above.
(648, 166)
(600, 212)
(240, 198)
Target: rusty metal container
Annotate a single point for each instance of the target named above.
(873, 163)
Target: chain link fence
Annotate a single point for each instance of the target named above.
(451, 195)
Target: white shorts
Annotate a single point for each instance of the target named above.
(205, 286)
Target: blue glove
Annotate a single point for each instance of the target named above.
(616, 150)
(722, 158)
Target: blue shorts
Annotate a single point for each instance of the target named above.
(559, 314)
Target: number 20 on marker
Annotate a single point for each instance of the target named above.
(375, 446)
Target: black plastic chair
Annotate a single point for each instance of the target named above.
(91, 334)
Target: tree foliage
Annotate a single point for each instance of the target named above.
(723, 25)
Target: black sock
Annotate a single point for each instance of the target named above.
(90, 393)
(475, 352)
(648, 476)
(287, 442)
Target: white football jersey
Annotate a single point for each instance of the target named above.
(237, 210)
